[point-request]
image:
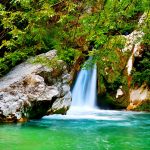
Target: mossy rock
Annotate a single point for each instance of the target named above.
(144, 106)
(109, 101)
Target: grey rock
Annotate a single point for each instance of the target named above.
(61, 105)
(32, 90)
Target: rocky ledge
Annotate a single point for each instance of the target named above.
(31, 91)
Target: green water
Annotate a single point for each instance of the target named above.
(106, 130)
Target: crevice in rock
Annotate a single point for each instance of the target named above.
(107, 102)
(47, 78)
(143, 55)
(38, 109)
(10, 118)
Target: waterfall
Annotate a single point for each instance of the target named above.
(84, 90)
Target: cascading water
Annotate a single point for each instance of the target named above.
(84, 91)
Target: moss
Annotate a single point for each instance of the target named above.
(110, 102)
(145, 106)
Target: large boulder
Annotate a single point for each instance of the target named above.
(31, 91)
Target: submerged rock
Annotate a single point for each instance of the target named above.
(29, 91)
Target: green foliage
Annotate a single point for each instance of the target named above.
(68, 55)
(53, 63)
(33, 27)
(24, 30)
(10, 60)
(141, 74)
(145, 106)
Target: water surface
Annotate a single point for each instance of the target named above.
(101, 130)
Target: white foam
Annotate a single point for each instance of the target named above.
(90, 114)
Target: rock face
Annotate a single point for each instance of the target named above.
(120, 94)
(133, 44)
(31, 91)
(139, 99)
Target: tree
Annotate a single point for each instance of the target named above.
(70, 26)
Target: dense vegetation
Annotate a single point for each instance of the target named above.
(73, 27)
(142, 72)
